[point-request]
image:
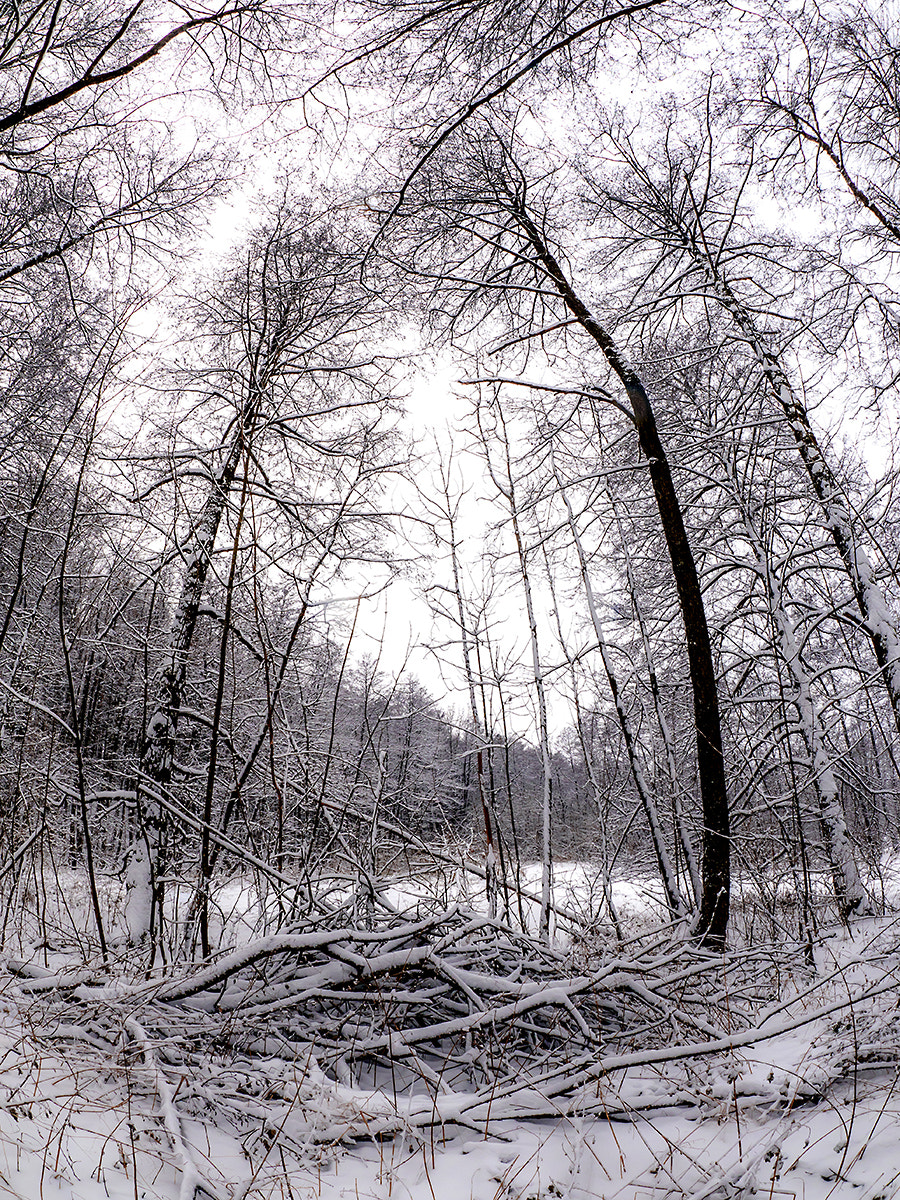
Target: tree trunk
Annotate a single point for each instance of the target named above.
(716, 866)
(158, 748)
(682, 831)
(493, 871)
(848, 888)
(506, 487)
(678, 907)
(879, 622)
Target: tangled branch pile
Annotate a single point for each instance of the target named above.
(450, 1003)
(306, 1038)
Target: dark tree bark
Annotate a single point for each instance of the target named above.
(716, 866)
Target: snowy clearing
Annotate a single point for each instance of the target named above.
(754, 1075)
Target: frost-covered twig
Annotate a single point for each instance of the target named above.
(191, 1179)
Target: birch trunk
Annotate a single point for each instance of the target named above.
(491, 863)
(848, 888)
(506, 488)
(157, 753)
(880, 624)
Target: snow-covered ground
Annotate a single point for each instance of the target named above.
(806, 1105)
(770, 1121)
(58, 912)
(839, 1150)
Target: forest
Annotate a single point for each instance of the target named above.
(449, 608)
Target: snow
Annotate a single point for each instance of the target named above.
(804, 1103)
(67, 1132)
(138, 892)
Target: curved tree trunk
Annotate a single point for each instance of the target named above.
(682, 831)
(878, 621)
(716, 866)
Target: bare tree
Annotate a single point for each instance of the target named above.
(287, 341)
(693, 221)
(446, 520)
(495, 445)
(837, 111)
(83, 170)
(675, 900)
(496, 250)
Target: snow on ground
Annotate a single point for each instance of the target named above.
(59, 912)
(70, 1131)
(813, 1114)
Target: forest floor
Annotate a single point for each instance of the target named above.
(801, 1102)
